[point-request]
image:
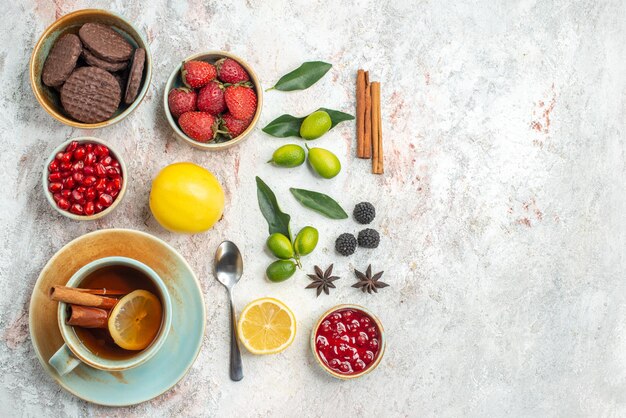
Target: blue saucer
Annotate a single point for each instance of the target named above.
(179, 351)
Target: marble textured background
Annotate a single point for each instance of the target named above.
(502, 207)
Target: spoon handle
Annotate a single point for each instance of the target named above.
(236, 367)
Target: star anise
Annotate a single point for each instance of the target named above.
(367, 282)
(322, 280)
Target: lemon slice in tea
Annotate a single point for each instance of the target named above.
(136, 319)
(266, 326)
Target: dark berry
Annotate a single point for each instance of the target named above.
(369, 238)
(345, 244)
(364, 212)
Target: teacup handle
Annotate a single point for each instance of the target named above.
(64, 360)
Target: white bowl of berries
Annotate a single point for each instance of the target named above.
(213, 100)
(84, 179)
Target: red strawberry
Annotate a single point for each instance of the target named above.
(181, 100)
(200, 126)
(197, 73)
(234, 127)
(241, 101)
(230, 71)
(211, 98)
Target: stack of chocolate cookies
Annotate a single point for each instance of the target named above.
(94, 71)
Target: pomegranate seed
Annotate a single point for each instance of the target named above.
(54, 177)
(78, 197)
(90, 158)
(59, 156)
(101, 150)
(55, 187)
(72, 146)
(89, 170)
(99, 207)
(90, 208)
(77, 209)
(89, 147)
(89, 181)
(117, 183)
(79, 153)
(78, 166)
(81, 189)
(57, 196)
(115, 163)
(112, 171)
(100, 170)
(66, 193)
(78, 177)
(107, 160)
(62, 203)
(67, 157)
(65, 174)
(90, 194)
(101, 184)
(65, 166)
(105, 200)
(114, 193)
(54, 166)
(69, 183)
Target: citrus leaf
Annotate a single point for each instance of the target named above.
(302, 77)
(287, 125)
(320, 203)
(277, 220)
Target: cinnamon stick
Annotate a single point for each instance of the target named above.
(102, 292)
(87, 317)
(367, 129)
(73, 296)
(360, 113)
(378, 165)
(375, 87)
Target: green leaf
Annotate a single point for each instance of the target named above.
(320, 203)
(277, 220)
(302, 77)
(287, 125)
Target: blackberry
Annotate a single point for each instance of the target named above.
(369, 238)
(345, 244)
(364, 212)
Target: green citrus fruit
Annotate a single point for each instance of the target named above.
(280, 270)
(290, 155)
(315, 125)
(280, 245)
(324, 162)
(306, 240)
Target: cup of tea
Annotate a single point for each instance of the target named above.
(114, 314)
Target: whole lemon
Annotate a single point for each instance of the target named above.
(186, 198)
(315, 125)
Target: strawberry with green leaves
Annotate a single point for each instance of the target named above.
(211, 98)
(197, 74)
(200, 126)
(230, 71)
(241, 101)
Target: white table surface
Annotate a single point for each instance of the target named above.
(502, 208)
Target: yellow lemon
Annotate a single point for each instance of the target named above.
(186, 198)
(136, 319)
(266, 326)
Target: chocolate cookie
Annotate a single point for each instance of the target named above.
(135, 76)
(61, 60)
(91, 95)
(111, 66)
(105, 43)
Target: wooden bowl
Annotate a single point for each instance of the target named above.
(49, 98)
(175, 81)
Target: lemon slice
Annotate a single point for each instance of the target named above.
(266, 326)
(136, 319)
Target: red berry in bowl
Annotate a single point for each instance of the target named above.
(200, 126)
(211, 98)
(241, 101)
(181, 100)
(196, 74)
(230, 71)
(233, 127)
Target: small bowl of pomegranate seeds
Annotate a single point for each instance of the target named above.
(348, 341)
(84, 178)
(213, 100)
